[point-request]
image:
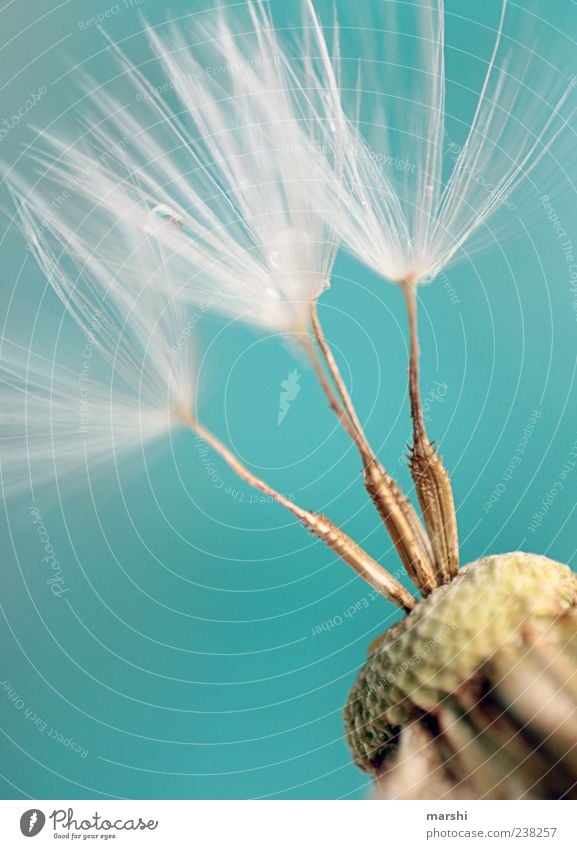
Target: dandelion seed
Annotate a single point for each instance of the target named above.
(222, 203)
(409, 224)
(230, 204)
(236, 167)
(129, 251)
(59, 424)
(136, 370)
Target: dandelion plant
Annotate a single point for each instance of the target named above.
(230, 190)
(409, 223)
(456, 728)
(114, 281)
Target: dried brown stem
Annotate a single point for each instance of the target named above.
(346, 548)
(398, 514)
(427, 470)
(338, 378)
(334, 403)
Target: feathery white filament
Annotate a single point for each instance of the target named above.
(410, 199)
(235, 197)
(57, 423)
(112, 280)
(230, 173)
(135, 375)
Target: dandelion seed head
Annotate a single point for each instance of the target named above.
(409, 200)
(228, 183)
(135, 371)
(61, 424)
(236, 196)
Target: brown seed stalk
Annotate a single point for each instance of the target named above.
(427, 470)
(397, 512)
(339, 542)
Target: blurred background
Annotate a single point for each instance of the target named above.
(203, 644)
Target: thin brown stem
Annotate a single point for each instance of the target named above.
(427, 470)
(345, 547)
(414, 352)
(337, 377)
(398, 514)
(334, 403)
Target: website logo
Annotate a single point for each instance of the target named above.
(290, 388)
(32, 822)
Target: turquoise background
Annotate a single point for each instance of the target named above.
(182, 658)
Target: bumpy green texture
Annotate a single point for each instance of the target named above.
(449, 638)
